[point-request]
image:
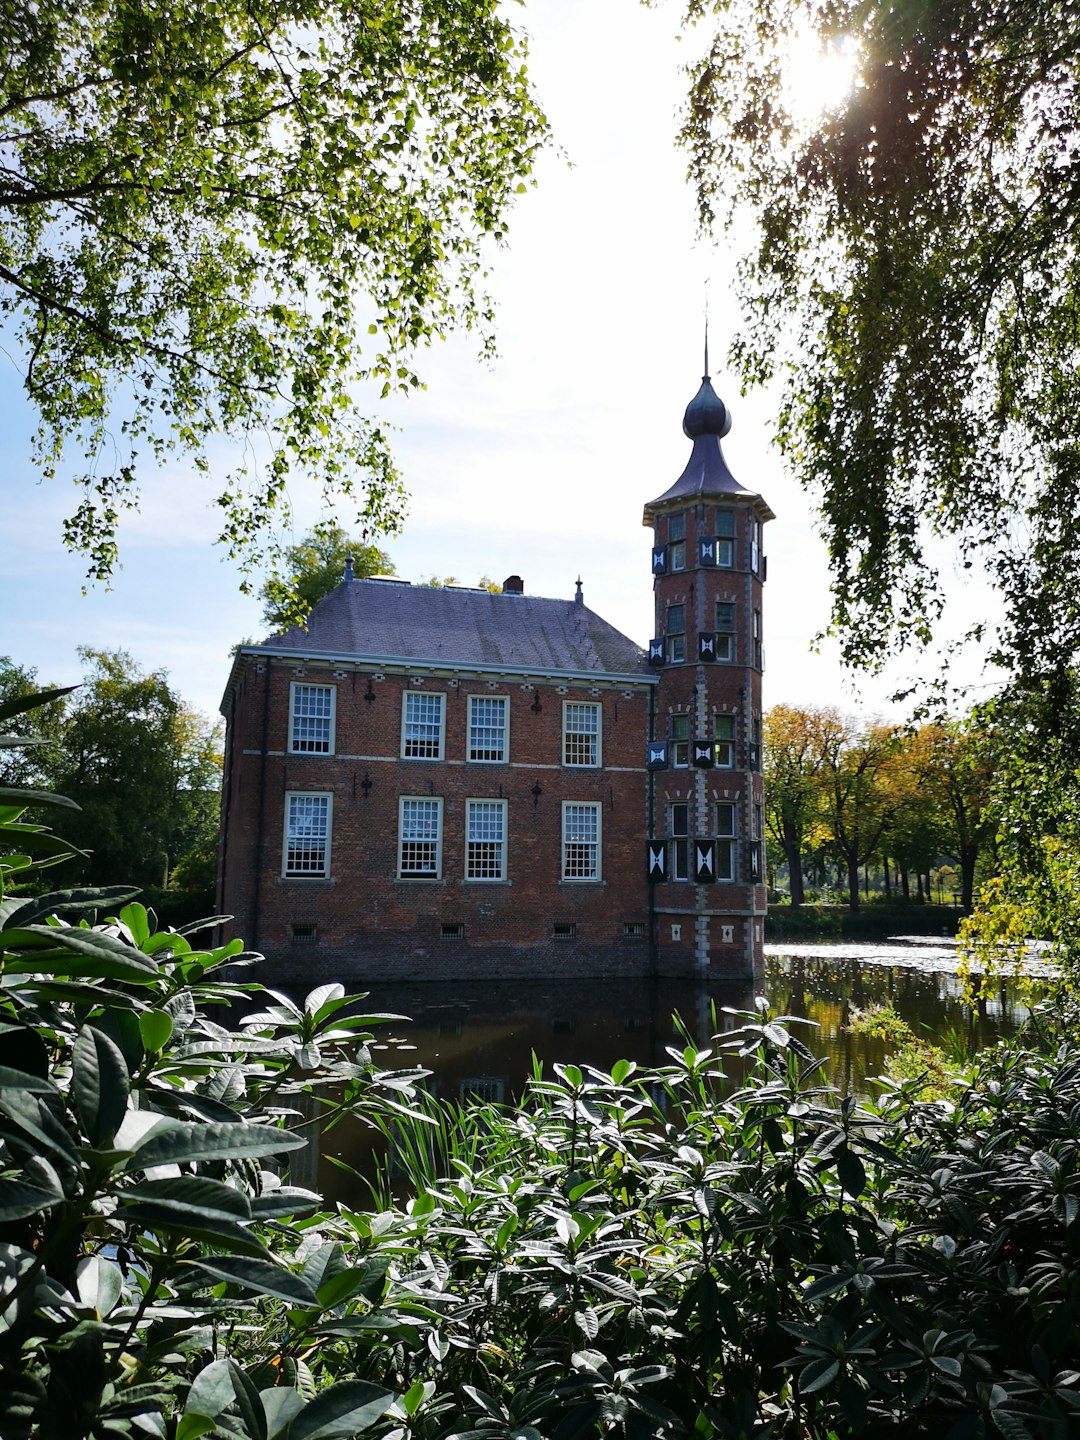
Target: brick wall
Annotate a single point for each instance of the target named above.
(362, 918)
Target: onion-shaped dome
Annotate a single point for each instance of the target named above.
(706, 414)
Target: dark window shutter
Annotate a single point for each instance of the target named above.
(707, 552)
(656, 651)
(659, 559)
(656, 860)
(704, 862)
(704, 753)
(706, 647)
(656, 755)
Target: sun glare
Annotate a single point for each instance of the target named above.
(818, 76)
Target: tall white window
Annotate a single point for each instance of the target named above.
(420, 844)
(675, 634)
(307, 834)
(581, 733)
(423, 722)
(724, 735)
(725, 538)
(485, 840)
(680, 741)
(679, 845)
(759, 654)
(488, 719)
(581, 841)
(725, 630)
(677, 542)
(311, 719)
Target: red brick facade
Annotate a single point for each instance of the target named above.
(430, 784)
(369, 918)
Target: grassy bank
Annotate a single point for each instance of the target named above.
(874, 921)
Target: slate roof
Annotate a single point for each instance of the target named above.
(387, 622)
(707, 476)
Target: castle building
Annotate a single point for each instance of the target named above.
(430, 783)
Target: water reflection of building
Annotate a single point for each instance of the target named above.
(440, 783)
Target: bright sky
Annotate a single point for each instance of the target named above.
(538, 466)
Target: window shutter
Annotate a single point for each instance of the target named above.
(656, 755)
(656, 860)
(703, 753)
(704, 862)
(656, 651)
(707, 552)
(706, 647)
(659, 559)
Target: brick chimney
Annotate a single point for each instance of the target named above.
(513, 585)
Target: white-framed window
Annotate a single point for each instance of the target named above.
(759, 653)
(581, 840)
(755, 544)
(420, 838)
(311, 719)
(489, 720)
(485, 840)
(725, 630)
(725, 859)
(675, 634)
(724, 736)
(423, 725)
(581, 733)
(679, 844)
(680, 741)
(725, 818)
(306, 849)
(725, 538)
(677, 542)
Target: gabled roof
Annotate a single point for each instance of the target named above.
(386, 622)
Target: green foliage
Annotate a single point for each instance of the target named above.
(145, 771)
(32, 762)
(1034, 751)
(314, 567)
(913, 1061)
(913, 281)
(147, 1237)
(217, 218)
(643, 1253)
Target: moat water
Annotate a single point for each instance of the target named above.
(479, 1039)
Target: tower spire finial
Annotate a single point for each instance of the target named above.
(706, 375)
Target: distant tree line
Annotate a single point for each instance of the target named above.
(143, 767)
(847, 796)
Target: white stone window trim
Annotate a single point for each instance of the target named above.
(290, 796)
(418, 695)
(501, 806)
(434, 801)
(597, 734)
(596, 845)
(479, 701)
(296, 686)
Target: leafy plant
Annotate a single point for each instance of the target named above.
(669, 1252)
